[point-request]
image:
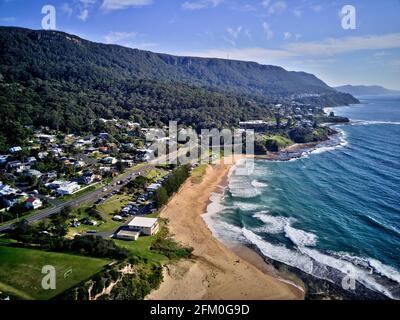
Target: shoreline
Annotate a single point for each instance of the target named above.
(214, 271)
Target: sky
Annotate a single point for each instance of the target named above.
(300, 35)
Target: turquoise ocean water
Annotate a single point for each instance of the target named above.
(335, 212)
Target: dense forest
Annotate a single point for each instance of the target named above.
(62, 81)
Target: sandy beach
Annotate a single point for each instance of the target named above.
(215, 272)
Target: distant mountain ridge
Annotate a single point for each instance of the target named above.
(365, 90)
(59, 80)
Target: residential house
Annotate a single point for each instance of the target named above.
(33, 203)
(68, 188)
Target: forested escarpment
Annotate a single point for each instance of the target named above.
(55, 79)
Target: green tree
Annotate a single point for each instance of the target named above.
(160, 197)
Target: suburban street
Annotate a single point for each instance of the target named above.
(89, 197)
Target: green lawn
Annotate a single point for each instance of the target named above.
(155, 174)
(141, 248)
(21, 276)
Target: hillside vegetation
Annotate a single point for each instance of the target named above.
(62, 81)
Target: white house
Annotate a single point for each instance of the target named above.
(33, 203)
(68, 188)
(7, 190)
(146, 226)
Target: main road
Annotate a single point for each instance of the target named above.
(89, 197)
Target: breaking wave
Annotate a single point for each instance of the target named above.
(332, 267)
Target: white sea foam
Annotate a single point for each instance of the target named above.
(373, 264)
(220, 229)
(273, 225)
(371, 122)
(339, 141)
(258, 184)
(241, 187)
(322, 265)
(300, 237)
(244, 206)
(279, 252)
(365, 277)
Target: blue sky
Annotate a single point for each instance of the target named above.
(304, 35)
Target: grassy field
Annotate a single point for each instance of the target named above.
(21, 276)
(155, 174)
(141, 248)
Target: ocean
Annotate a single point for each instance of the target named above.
(334, 213)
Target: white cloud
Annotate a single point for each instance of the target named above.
(333, 46)
(109, 5)
(298, 13)
(325, 48)
(87, 3)
(7, 19)
(66, 9)
(114, 37)
(267, 30)
(200, 4)
(261, 55)
(287, 35)
(82, 6)
(84, 15)
(276, 7)
(234, 32)
(316, 8)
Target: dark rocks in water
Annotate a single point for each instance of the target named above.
(307, 135)
(320, 289)
(334, 119)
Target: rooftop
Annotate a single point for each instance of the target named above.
(143, 222)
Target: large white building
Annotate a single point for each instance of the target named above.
(146, 226)
(68, 188)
